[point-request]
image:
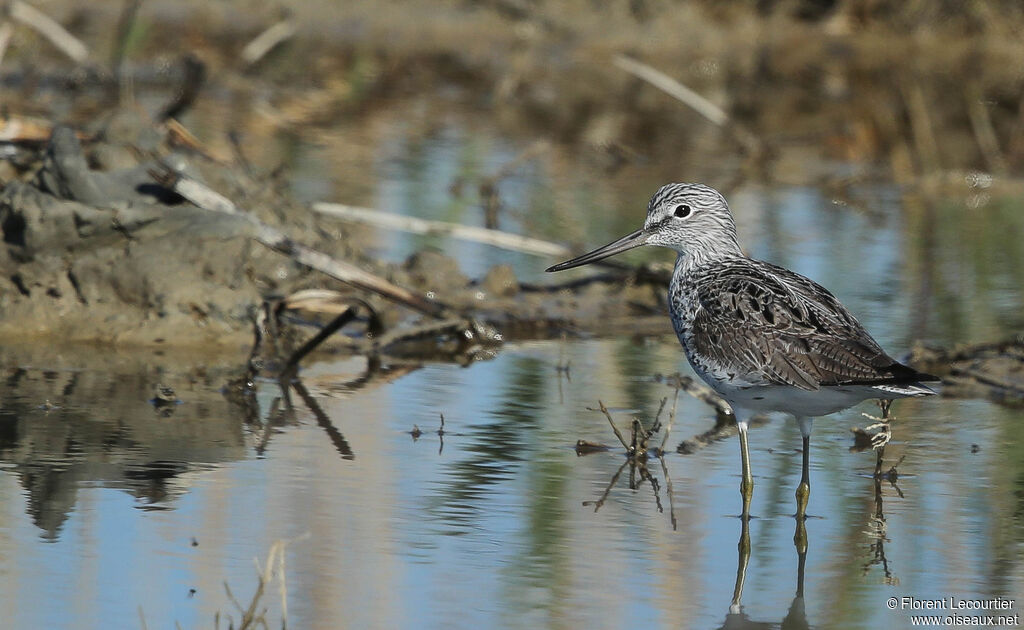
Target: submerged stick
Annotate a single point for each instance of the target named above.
(497, 238)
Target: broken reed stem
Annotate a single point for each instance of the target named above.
(208, 199)
(267, 41)
(274, 568)
(497, 238)
(618, 434)
(713, 113)
(48, 28)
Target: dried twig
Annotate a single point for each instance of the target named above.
(618, 433)
(48, 28)
(497, 238)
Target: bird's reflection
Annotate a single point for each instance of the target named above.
(796, 616)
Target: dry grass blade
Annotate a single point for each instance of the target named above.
(254, 615)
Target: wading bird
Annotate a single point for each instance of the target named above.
(764, 337)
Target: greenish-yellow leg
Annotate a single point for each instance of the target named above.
(803, 491)
(747, 483)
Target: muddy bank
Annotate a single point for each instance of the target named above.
(992, 370)
(97, 249)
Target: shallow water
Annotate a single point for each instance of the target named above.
(102, 498)
(109, 507)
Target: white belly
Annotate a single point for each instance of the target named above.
(799, 402)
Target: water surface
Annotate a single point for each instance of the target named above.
(109, 507)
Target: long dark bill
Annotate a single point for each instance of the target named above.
(636, 239)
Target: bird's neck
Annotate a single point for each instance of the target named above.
(709, 253)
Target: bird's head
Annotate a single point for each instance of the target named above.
(692, 219)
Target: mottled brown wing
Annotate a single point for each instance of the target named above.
(770, 325)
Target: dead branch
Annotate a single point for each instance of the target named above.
(713, 113)
(208, 199)
(48, 28)
(497, 238)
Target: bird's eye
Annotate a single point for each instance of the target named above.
(682, 211)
